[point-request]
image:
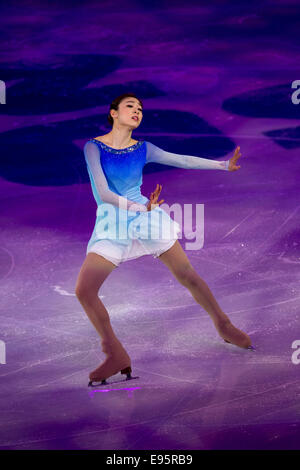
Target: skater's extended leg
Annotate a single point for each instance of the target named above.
(178, 263)
(93, 273)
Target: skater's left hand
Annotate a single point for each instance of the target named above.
(153, 202)
(232, 162)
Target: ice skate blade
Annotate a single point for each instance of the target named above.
(94, 383)
(248, 347)
(103, 382)
(126, 371)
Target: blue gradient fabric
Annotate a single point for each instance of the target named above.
(116, 176)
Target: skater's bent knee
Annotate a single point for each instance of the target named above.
(188, 276)
(80, 292)
(83, 292)
(192, 280)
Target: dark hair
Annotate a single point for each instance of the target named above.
(115, 104)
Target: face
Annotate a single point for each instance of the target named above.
(130, 112)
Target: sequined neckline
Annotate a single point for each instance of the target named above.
(113, 150)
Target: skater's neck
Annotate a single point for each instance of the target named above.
(118, 138)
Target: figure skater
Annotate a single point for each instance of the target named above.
(115, 163)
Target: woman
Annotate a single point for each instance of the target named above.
(115, 162)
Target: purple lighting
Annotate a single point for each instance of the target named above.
(211, 77)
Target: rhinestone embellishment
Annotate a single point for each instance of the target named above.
(112, 150)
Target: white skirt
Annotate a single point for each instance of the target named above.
(143, 239)
(117, 254)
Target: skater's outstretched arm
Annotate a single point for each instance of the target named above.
(92, 158)
(156, 154)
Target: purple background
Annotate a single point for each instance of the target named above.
(211, 77)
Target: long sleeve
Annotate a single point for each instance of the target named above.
(156, 154)
(92, 158)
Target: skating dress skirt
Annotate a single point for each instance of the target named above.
(121, 235)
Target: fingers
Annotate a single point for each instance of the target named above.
(156, 192)
(154, 197)
(158, 188)
(237, 154)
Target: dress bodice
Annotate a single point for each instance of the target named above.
(123, 169)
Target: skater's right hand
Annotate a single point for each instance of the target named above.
(153, 203)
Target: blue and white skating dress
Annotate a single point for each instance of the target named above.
(124, 229)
